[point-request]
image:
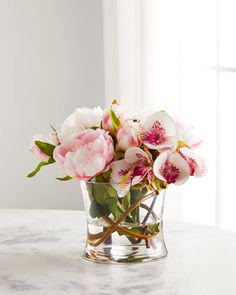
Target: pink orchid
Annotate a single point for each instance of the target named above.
(159, 131)
(129, 171)
(48, 138)
(171, 167)
(185, 134)
(127, 135)
(196, 163)
(86, 155)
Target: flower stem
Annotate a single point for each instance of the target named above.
(114, 226)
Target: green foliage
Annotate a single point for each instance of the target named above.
(114, 119)
(65, 178)
(115, 101)
(136, 195)
(119, 154)
(97, 210)
(154, 228)
(46, 148)
(37, 169)
(111, 204)
(135, 230)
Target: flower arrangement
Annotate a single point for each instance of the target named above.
(145, 153)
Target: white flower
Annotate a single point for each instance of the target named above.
(185, 134)
(159, 131)
(171, 167)
(129, 171)
(196, 163)
(80, 119)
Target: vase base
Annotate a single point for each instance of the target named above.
(113, 254)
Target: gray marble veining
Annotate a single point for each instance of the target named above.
(40, 253)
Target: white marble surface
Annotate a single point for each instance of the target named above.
(40, 253)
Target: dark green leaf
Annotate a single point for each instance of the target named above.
(100, 193)
(119, 154)
(97, 210)
(33, 173)
(104, 177)
(45, 147)
(65, 178)
(111, 204)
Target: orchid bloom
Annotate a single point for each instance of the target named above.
(159, 131)
(196, 163)
(129, 171)
(171, 168)
(186, 135)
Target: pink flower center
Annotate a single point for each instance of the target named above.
(139, 171)
(169, 171)
(156, 135)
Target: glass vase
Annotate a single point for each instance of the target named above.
(128, 229)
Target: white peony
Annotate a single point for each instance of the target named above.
(80, 119)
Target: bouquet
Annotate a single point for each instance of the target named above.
(141, 154)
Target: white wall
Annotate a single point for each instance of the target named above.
(51, 61)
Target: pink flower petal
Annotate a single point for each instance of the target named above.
(135, 154)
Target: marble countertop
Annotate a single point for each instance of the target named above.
(40, 253)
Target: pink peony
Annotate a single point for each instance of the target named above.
(86, 155)
(127, 135)
(49, 138)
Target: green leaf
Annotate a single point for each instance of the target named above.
(97, 210)
(65, 178)
(114, 119)
(112, 192)
(45, 147)
(115, 101)
(153, 228)
(119, 154)
(33, 173)
(103, 177)
(111, 204)
(126, 201)
(100, 193)
(135, 230)
(136, 195)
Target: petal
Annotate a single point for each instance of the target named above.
(122, 189)
(119, 169)
(182, 165)
(160, 160)
(135, 154)
(197, 163)
(164, 119)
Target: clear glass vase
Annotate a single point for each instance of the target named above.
(128, 229)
